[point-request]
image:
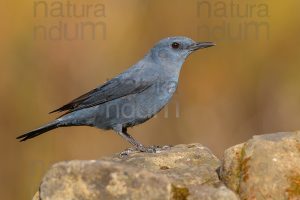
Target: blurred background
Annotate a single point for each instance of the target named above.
(53, 51)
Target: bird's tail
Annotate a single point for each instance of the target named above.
(38, 131)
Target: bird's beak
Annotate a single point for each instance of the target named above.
(200, 45)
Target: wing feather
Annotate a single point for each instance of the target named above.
(109, 91)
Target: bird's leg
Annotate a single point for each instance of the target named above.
(131, 140)
(123, 132)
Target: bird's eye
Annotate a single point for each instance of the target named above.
(175, 45)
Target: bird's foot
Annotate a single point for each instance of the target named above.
(126, 152)
(150, 149)
(144, 149)
(153, 148)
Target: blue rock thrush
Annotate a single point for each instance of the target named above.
(132, 97)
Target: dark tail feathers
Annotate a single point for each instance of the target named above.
(38, 131)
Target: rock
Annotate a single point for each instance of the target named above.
(177, 173)
(36, 196)
(265, 167)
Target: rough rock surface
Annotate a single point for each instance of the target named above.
(265, 167)
(177, 173)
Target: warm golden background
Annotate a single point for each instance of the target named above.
(245, 85)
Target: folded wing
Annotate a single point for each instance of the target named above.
(113, 89)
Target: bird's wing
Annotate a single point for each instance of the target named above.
(113, 89)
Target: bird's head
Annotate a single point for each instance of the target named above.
(174, 50)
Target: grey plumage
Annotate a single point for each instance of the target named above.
(132, 97)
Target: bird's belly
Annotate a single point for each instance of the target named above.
(133, 109)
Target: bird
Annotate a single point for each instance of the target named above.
(132, 97)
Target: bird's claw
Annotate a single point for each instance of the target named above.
(126, 152)
(142, 148)
(150, 149)
(153, 148)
